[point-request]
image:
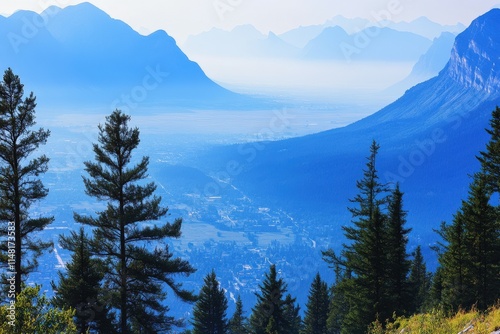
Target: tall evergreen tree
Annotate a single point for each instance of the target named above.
(271, 327)
(270, 306)
(210, 309)
(20, 186)
(238, 322)
(490, 159)
(81, 289)
(35, 314)
(435, 297)
(471, 273)
(452, 259)
(398, 264)
(292, 315)
(483, 241)
(490, 171)
(315, 321)
(364, 256)
(339, 305)
(135, 274)
(420, 282)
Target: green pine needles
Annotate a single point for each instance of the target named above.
(122, 269)
(20, 185)
(373, 266)
(135, 275)
(470, 272)
(210, 310)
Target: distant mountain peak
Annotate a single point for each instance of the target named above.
(90, 7)
(86, 10)
(423, 19)
(272, 35)
(51, 10)
(85, 52)
(429, 64)
(389, 45)
(247, 29)
(274, 38)
(476, 54)
(470, 78)
(335, 29)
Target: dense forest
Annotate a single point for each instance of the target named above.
(121, 268)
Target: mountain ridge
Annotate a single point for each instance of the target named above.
(242, 41)
(85, 52)
(428, 65)
(425, 139)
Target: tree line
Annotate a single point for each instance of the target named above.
(120, 273)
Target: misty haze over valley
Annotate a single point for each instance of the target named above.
(257, 139)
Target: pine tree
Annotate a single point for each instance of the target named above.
(398, 264)
(271, 327)
(420, 282)
(471, 273)
(238, 322)
(489, 239)
(490, 159)
(270, 305)
(452, 260)
(81, 289)
(316, 315)
(483, 241)
(364, 256)
(210, 309)
(339, 305)
(20, 186)
(435, 299)
(292, 315)
(135, 275)
(34, 314)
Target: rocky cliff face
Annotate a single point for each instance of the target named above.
(429, 139)
(475, 57)
(470, 78)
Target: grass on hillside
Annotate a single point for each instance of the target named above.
(436, 322)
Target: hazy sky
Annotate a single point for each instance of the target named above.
(181, 18)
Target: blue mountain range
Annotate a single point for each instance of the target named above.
(372, 43)
(80, 56)
(429, 64)
(243, 41)
(429, 139)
